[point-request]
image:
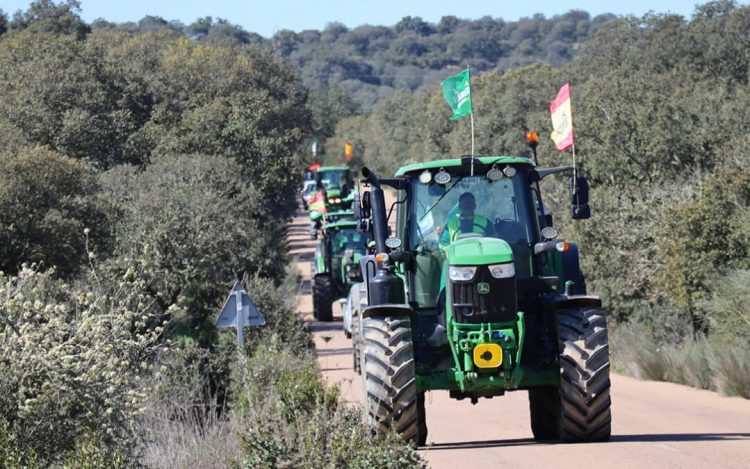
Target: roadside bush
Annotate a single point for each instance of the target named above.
(701, 237)
(75, 361)
(732, 368)
(201, 226)
(46, 202)
(704, 363)
(294, 421)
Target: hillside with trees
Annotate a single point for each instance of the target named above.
(370, 62)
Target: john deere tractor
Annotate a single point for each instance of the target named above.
(336, 265)
(476, 295)
(332, 193)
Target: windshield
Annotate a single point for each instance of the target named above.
(331, 178)
(309, 187)
(502, 206)
(349, 238)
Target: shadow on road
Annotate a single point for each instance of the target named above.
(482, 444)
(336, 326)
(344, 368)
(653, 438)
(676, 437)
(334, 351)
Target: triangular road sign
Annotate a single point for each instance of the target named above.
(239, 302)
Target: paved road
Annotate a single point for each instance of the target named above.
(658, 425)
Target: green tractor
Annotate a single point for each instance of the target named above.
(333, 192)
(474, 294)
(336, 265)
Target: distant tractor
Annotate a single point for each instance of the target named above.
(474, 294)
(333, 191)
(336, 265)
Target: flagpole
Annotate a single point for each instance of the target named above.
(575, 180)
(472, 142)
(471, 116)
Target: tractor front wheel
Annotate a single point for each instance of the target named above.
(584, 375)
(323, 298)
(392, 401)
(545, 412)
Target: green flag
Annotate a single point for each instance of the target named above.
(457, 91)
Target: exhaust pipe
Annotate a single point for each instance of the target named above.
(377, 199)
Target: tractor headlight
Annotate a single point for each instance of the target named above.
(502, 270)
(461, 273)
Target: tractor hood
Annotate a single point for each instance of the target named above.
(479, 251)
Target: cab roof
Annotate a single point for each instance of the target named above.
(456, 162)
(327, 169)
(341, 224)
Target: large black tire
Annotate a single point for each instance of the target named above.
(584, 375)
(389, 377)
(422, 416)
(544, 403)
(356, 345)
(322, 298)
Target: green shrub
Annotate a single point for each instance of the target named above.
(11, 455)
(731, 366)
(728, 308)
(46, 203)
(200, 226)
(75, 361)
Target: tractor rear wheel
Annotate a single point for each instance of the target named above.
(584, 375)
(391, 397)
(544, 403)
(322, 298)
(357, 308)
(356, 355)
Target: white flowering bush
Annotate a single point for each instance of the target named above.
(75, 361)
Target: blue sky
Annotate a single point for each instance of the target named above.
(268, 16)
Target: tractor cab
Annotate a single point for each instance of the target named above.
(336, 184)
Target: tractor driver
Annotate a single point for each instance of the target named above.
(464, 221)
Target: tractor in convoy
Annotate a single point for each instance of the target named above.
(335, 268)
(474, 293)
(333, 191)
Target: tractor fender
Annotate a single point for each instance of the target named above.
(320, 262)
(387, 310)
(572, 269)
(573, 301)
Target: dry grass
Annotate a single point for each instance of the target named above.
(700, 363)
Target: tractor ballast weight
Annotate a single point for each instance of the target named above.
(479, 303)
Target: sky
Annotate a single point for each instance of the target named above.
(266, 17)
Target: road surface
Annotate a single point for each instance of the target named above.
(657, 425)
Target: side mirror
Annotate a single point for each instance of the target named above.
(361, 208)
(579, 198)
(366, 205)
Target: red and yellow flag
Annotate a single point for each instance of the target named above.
(347, 150)
(562, 119)
(318, 203)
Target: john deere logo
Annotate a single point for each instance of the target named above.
(483, 288)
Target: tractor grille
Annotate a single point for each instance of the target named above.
(470, 306)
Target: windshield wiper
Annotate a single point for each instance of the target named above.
(439, 199)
